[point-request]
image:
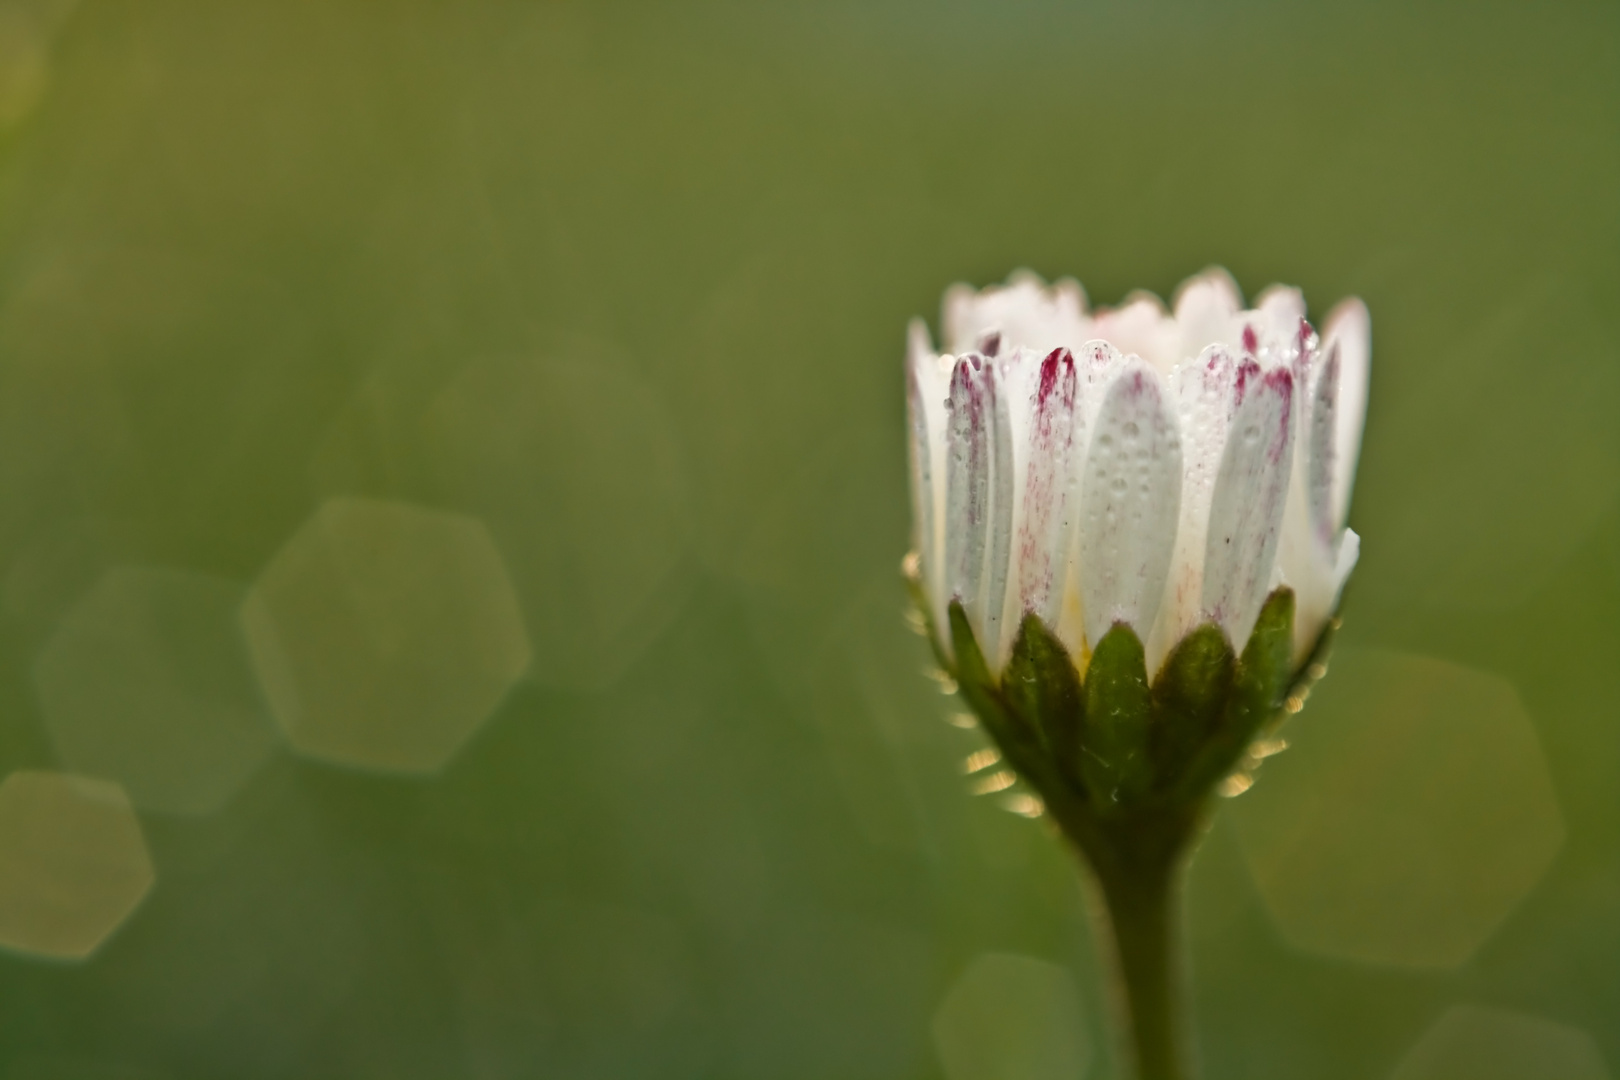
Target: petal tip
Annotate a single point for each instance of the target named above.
(1213, 286)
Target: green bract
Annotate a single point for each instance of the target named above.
(1113, 754)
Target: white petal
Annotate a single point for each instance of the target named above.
(919, 346)
(1048, 489)
(1306, 566)
(1275, 333)
(927, 384)
(1096, 363)
(1319, 446)
(978, 498)
(967, 481)
(1017, 372)
(1206, 309)
(1141, 326)
(1024, 312)
(1245, 520)
(1349, 554)
(1017, 376)
(994, 639)
(1317, 584)
(1282, 306)
(1129, 504)
(1348, 326)
(1306, 552)
(1205, 396)
(920, 457)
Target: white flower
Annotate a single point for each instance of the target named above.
(1132, 465)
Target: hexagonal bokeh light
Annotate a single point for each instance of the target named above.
(147, 680)
(1011, 1017)
(73, 863)
(1472, 1043)
(384, 634)
(1412, 815)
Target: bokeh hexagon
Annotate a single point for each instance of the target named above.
(384, 634)
(146, 680)
(1473, 1043)
(1012, 1017)
(1413, 813)
(73, 863)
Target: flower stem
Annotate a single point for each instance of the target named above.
(1141, 905)
(1137, 861)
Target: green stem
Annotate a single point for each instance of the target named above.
(1141, 915)
(1137, 861)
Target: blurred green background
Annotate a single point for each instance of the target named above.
(452, 490)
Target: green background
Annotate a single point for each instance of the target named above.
(627, 283)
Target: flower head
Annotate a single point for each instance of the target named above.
(1130, 535)
(1161, 471)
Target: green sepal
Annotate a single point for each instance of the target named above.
(1115, 749)
(972, 673)
(1116, 767)
(975, 683)
(1258, 687)
(1190, 697)
(1013, 729)
(1041, 685)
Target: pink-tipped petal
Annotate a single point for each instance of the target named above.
(967, 481)
(1048, 489)
(978, 497)
(1095, 364)
(1245, 520)
(1129, 503)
